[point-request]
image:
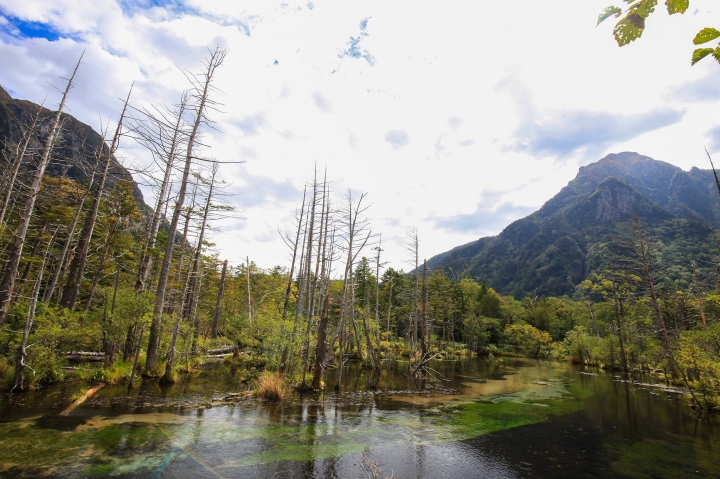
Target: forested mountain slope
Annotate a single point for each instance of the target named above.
(588, 226)
(73, 153)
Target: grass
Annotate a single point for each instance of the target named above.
(271, 386)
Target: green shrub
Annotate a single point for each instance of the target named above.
(528, 340)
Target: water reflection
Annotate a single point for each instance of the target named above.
(520, 418)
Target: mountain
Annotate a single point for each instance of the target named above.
(74, 148)
(588, 226)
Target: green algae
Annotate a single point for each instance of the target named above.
(432, 426)
(256, 433)
(85, 451)
(103, 446)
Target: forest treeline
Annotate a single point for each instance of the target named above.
(89, 274)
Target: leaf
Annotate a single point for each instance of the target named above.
(644, 9)
(607, 13)
(629, 29)
(705, 35)
(716, 54)
(636, 20)
(677, 6)
(701, 53)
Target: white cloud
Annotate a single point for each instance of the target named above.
(397, 138)
(321, 102)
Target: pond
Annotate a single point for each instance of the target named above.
(518, 418)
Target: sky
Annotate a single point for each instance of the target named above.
(455, 118)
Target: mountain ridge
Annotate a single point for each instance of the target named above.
(74, 149)
(580, 230)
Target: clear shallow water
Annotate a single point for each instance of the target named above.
(521, 418)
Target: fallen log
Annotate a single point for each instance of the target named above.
(418, 370)
(229, 348)
(84, 356)
(82, 399)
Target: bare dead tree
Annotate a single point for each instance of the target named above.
(379, 250)
(221, 290)
(320, 347)
(294, 245)
(294, 256)
(165, 147)
(424, 346)
(646, 268)
(168, 377)
(412, 246)
(21, 351)
(308, 278)
(18, 157)
(77, 265)
(7, 283)
(61, 263)
(201, 93)
(354, 228)
(211, 183)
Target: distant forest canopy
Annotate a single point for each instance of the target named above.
(588, 227)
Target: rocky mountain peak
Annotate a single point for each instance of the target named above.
(593, 214)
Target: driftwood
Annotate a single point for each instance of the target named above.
(85, 356)
(419, 370)
(82, 399)
(228, 348)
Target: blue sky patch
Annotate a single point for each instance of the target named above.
(23, 29)
(354, 50)
(174, 7)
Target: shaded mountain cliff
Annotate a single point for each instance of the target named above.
(74, 150)
(588, 225)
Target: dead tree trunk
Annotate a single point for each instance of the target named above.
(288, 289)
(194, 318)
(20, 356)
(308, 279)
(218, 306)
(643, 253)
(377, 291)
(157, 217)
(389, 305)
(28, 265)
(318, 256)
(99, 271)
(214, 61)
(60, 267)
(168, 377)
(20, 152)
(320, 347)
(198, 253)
(7, 284)
(247, 284)
(423, 330)
(353, 228)
(619, 321)
(77, 265)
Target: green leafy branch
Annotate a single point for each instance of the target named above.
(706, 35)
(631, 25)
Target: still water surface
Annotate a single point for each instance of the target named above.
(516, 419)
